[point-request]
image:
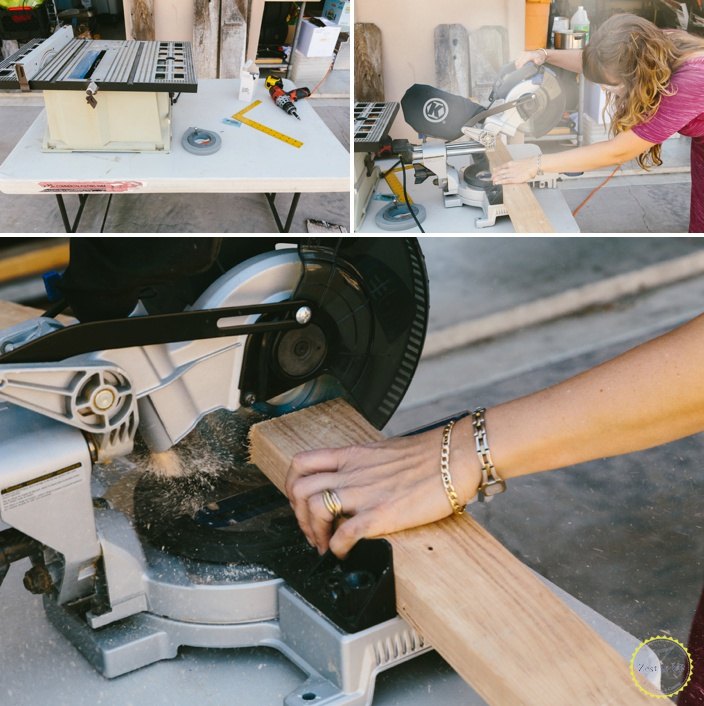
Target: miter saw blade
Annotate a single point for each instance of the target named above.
(369, 300)
(550, 106)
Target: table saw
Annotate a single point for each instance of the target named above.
(103, 95)
(133, 566)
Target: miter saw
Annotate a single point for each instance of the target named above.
(280, 330)
(528, 100)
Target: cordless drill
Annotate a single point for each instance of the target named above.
(285, 100)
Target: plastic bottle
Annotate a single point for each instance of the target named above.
(580, 22)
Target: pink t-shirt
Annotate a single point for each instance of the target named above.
(681, 112)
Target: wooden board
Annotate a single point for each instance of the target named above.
(488, 52)
(206, 30)
(485, 612)
(12, 313)
(368, 78)
(32, 259)
(526, 214)
(452, 72)
(142, 16)
(233, 37)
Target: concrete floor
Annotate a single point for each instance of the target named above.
(635, 201)
(493, 275)
(167, 213)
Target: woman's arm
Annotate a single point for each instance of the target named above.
(648, 396)
(619, 149)
(570, 59)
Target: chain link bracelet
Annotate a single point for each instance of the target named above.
(491, 484)
(450, 491)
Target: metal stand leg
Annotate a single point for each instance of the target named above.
(68, 226)
(292, 210)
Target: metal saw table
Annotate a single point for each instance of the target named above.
(40, 666)
(461, 218)
(249, 161)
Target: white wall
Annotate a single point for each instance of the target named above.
(407, 29)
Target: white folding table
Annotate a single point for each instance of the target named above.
(249, 160)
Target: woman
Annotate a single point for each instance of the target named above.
(654, 79)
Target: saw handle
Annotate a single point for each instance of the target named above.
(510, 77)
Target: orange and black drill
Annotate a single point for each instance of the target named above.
(285, 100)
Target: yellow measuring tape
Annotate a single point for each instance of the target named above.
(265, 128)
(395, 186)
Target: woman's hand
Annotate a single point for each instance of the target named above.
(383, 487)
(537, 56)
(516, 171)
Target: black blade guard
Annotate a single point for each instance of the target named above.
(369, 298)
(436, 113)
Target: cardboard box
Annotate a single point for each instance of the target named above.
(594, 102)
(338, 11)
(318, 41)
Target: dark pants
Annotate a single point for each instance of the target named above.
(693, 695)
(696, 209)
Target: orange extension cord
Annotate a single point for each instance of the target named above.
(595, 189)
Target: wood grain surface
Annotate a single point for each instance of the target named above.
(368, 78)
(452, 70)
(485, 612)
(526, 214)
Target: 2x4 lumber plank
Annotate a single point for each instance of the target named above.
(525, 212)
(12, 313)
(485, 612)
(33, 260)
(142, 16)
(233, 37)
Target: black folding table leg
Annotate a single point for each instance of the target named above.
(68, 226)
(283, 228)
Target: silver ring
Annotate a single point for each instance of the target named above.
(332, 503)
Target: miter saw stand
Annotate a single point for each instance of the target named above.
(527, 102)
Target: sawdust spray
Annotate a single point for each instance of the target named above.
(210, 463)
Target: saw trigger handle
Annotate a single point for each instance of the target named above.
(510, 77)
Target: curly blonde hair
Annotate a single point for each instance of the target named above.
(632, 51)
